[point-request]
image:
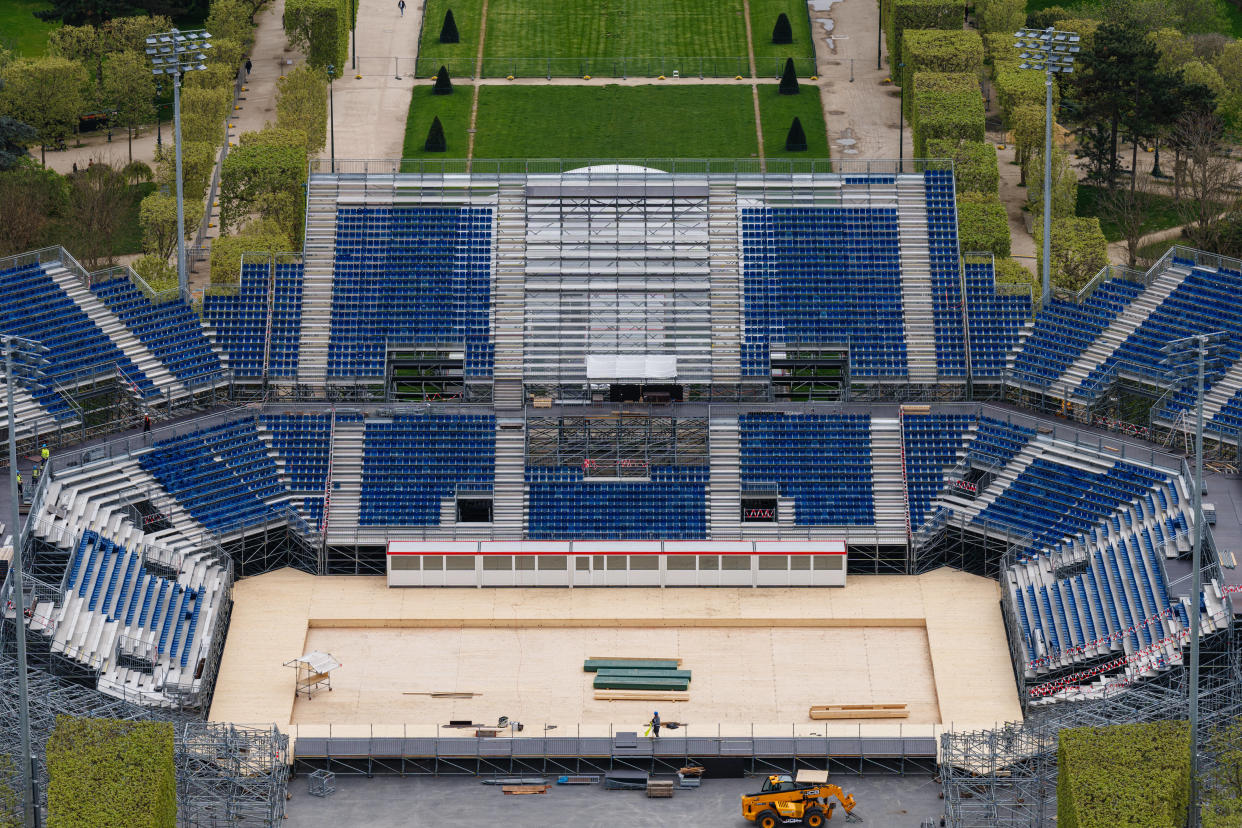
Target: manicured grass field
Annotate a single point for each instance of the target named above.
(454, 113)
(763, 14)
(630, 122)
(458, 57)
(1162, 212)
(777, 113)
(21, 30)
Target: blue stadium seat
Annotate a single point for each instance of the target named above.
(566, 505)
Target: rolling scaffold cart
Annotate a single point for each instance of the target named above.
(314, 673)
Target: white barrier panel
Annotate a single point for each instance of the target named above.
(616, 563)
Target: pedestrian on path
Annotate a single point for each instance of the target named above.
(401, 6)
(248, 65)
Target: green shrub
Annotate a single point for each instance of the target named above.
(320, 29)
(934, 50)
(105, 772)
(435, 137)
(782, 32)
(900, 15)
(448, 32)
(1135, 775)
(795, 141)
(998, 48)
(789, 79)
(1016, 86)
(262, 237)
(1000, 16)
(982, 224)
(1084, 27)
(945, 105)
(975, 168)
(1012, 272)
(443, 86)
(1043, 18)
(1064, 184)
(1079, 251)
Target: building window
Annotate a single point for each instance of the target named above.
(679, 563)
(709, 563)
(829, 563)
(773, 563)
(403, 562)
(799, 563)
(459, 563)
(524, 563)
(548, 563)
(736, 563)
(644, 562)
(433, 563)
(497, 563)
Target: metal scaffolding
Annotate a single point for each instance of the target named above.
(229, 775)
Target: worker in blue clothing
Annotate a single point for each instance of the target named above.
(655, 724)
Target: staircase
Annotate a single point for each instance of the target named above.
(347, 444)
(888, 480)
(30, 419)
(1119, 331)
(317, 260)
(726, 282)
(116, 330)
(916, 284)
(1215, 399)
(724, 493)
(509, 488)
(509, 298)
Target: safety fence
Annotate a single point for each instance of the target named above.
(578, 67)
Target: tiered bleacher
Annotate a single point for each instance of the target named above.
(407, 276)
(822, 461)
(566, 505)
(995, 442)
(411, 463)
(32, 305)
(286, 328)
(930, 446)
(223, 475)
(946, 280)
(821, 275)
(171, 329)
(302, 443)
(995, 320)
(1064, 329)
(239, 319)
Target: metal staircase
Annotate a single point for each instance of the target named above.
(317, 261)
(724, 493)
(916, 284)
(347, 444)
(1222, 392)
(509, 297)
(888, 486)
(509, 488)
(726, 282)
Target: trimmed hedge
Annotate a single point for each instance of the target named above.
(946, 105)
(1003, 16)
(975, 168)
(1134, 774)
(900, 15)
(1011, 271)
(936, 50)
(106, 772)
(1064, 184)
(1015, 87)
(320, 29)
(1079, 251)
(982, 224)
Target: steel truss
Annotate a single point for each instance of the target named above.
(617, 444)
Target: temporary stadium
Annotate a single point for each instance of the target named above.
(502, 417)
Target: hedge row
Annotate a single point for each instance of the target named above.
(946, 105)
(106, 772)
(982, 224)
(320, 29)
(975, 168)
(936, 50)
(1079, 251)
(1134, 774)
(901, 15)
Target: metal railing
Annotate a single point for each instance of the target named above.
(696, 66)
(484, 169)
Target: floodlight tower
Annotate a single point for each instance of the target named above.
(175, 53)
(1049, 51)
(22, 358)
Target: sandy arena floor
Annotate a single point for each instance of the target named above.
(761, 656)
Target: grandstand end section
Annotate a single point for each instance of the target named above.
(617, 563)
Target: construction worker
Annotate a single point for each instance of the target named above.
(34, 475)
(146, 423)
(44, 453)
(20, 494)
(655, 724)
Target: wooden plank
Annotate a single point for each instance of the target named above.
(640, 695)
(639, 683)
(442, 694)
(659, 788)
(593, 664)
(631, 660)
(821, 712)
(522, 790)
(858, 706)
(642, 671)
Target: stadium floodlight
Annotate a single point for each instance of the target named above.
(22, 358)
(175, 53)
(1050, 52)
(1203, 352)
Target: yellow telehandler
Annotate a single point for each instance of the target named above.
(783, 800)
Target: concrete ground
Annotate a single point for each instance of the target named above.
(887, 801)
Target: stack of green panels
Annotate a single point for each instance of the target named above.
(637, 674)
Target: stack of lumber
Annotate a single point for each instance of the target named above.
(638, 674)
(859, 711)
(519, 790)
(659, 788)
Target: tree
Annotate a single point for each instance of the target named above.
(1127, 208)
(46, 93)
(14, 138)
(198, 158)
(1174, 47)
(156, 272)
(157, 214)
(1212, 177)
(130, 90)
(1198, 15)
(231, 20)
(1064, 184)
(782, 32)
(256, 237)
(98, 197)
(435, 137)
(448, 32)
(982, 224)
(1004, 16)
(443, 85)
(795, 141)
(1223, 777)
(1079, 251)
(87, 46)
(264, 176)
(32, 201)
(204, 112)
(302, 103)
(789, 79)
(319, 29)
(1028, 125)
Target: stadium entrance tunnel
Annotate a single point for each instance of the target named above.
(658, 394)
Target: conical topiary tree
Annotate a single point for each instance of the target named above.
(795, 141)
(448, 32)
(445, 87)
(789, 79)
(435, 137)
(782, 32)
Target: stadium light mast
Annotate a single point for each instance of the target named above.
(1049, 51)
(22, 357)
(174, 53)
(1180, 354)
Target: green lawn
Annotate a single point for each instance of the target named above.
(763, 14)
(130, 238)
(457, 57)
(1162, 212)
(20, 30)
(454, 114)
(777, 113)
(631, 122)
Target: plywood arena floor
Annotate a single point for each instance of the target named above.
(760, 657)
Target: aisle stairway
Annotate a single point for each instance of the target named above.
(916, 284)
(508, 492)
(726, 284)
(346, 483)
(888, 480)
(317, 280)
(509, 297)
(724, 491)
